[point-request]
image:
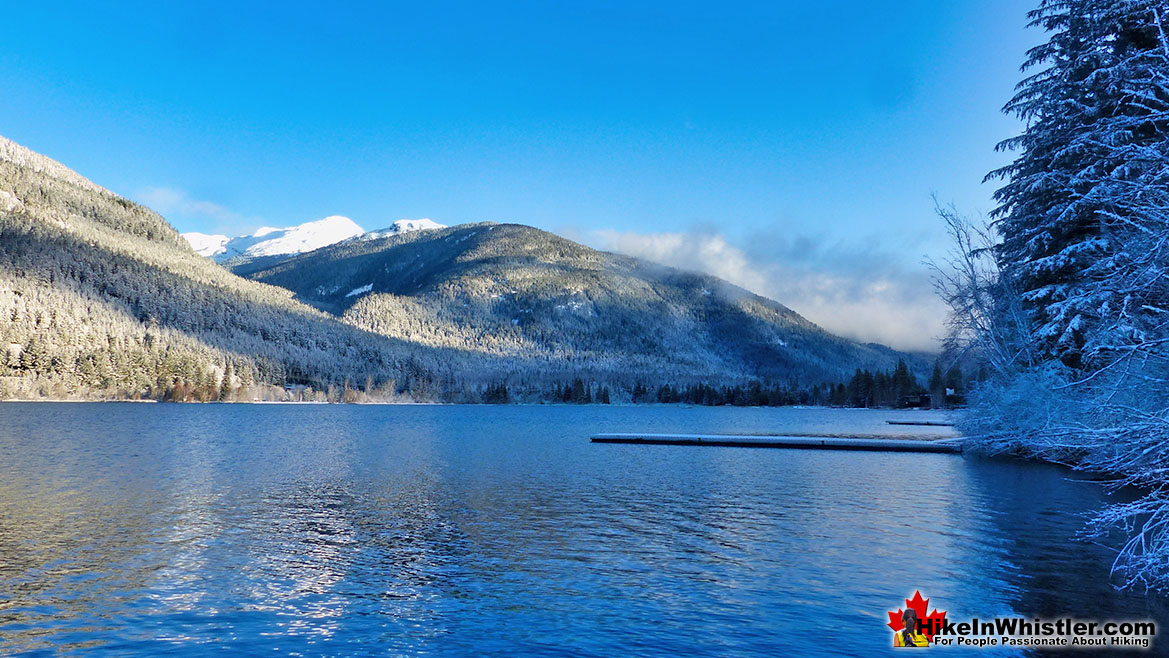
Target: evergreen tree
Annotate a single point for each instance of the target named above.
(1089, 187)
(225, 386)
(1084, 227)
(496, 394)
(577, 392)
(903, 383)
(937, 386)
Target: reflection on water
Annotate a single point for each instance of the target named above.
(138, 529)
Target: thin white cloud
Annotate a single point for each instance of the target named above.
(857, 292)
(197, 214)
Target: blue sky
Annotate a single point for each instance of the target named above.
(789, 146)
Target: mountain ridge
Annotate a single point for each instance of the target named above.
(519, 290)
(268, 243)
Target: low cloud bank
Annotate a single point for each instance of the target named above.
(868, 293)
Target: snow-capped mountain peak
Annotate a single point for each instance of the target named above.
(403, 226)
(269, 241)
(206, 245)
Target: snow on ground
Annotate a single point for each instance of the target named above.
(206, 245)
(270, 241)
(9, 202)
(403, 226)
(360, 291)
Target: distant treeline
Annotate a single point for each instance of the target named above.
(898, 387)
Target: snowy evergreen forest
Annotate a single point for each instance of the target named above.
(1063, 294)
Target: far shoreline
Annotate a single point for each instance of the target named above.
(624, 405)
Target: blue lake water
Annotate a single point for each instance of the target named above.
(136, 529)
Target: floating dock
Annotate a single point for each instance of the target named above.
(798, 442)
(927, 423)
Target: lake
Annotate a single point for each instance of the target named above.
(140, 529)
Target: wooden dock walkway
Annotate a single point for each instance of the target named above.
(927, 423)
(778, 441)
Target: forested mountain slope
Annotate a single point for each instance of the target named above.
(530, 296)
(101, 294)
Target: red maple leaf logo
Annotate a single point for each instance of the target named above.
(931, 622)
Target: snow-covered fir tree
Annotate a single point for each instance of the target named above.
(1082, 210)
(1066, 294)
